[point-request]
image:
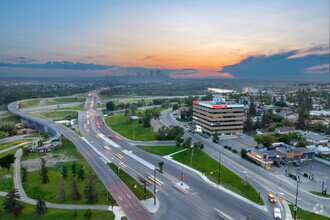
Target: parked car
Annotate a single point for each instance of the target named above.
(283, 162)
(277, 213)
(296, 164)
(271, 198)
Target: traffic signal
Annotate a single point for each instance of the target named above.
(296, 216)
(133, 186)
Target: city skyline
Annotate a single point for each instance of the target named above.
(259, 39)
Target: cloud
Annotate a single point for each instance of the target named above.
(148, 57)
(278, 65)
(319, 69)
(185, 71)
(315, 50)
(60, 65)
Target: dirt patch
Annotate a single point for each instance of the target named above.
(155, 124)
(51, 161)
(6, 176)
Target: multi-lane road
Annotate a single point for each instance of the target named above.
(260, 178)
(197, 202)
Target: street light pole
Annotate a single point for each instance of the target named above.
(155, 186)
(295, 212)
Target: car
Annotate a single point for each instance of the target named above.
(277, 213)
(296, 164)
(283, 162)
(271, 198)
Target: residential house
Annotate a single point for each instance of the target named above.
(315, 138)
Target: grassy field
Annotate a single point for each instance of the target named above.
(3, 107)
(77, 107)
(29, 103)
(7, 182)
(56, 214)
(13, 143)
(302, 214)
(60, 114)
(10, 118)
(117, 123)
(320, 194)
(160, 150)
(49, 191)
(41, 116)
(129, 181)
(12, 151)
(65, 100)
(204, 163)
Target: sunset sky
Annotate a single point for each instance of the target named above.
(240, 39)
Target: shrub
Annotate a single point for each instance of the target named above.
(226, 147)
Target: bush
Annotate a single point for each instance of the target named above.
(226, 147)
(235, 151)
(229, 148)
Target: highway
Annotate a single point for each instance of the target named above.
(260, 178)
(198, 202)
(124, 197)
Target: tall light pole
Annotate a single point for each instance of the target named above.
(155, 186)
(295, 210)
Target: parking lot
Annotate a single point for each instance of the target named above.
(315, 169)
(242, 141)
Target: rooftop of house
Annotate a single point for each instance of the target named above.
(314, 136)
(285, 129)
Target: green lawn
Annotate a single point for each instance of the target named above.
(49, 191)
(56, 214)
(117, 123)
(320, 194)
(7, 183)
(129, 181)
(60, 114)
(183, 120)
(160, 150)
(12, 151)
(77, 107)
(13, 143)
(303, 214)
(10, 118)
(65, 100)
(204, 163)
(36, 115)
(29, 103)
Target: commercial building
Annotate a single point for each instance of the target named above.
(218, 116)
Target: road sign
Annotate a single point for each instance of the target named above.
(295, 208)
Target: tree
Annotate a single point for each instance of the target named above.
(252, 109)
(244, 153)
(90, 191)
(162, 133)
(41, 207)
(271, 128)
(270, 111)
(187, 144)
(11, 204)
(265, 139)
(280, 104)
(7, 161)
(75, 190)
(175, 107)
(88, 214)
(24, 174)
(44, 172)
(301, 144)
(110, 106)
(199, 145)
(161, 164)
(265, 120)
(285, 138)
(74, 168)
(146, 119)
(287, 122)
(178, 140)
(215, 138)
(245, 102)
(62, 191)
(257, 125)
(81, 173)
(64, 172)
(279, 109)
(301, 121)
(248, 125)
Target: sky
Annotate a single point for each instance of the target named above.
(228, 39)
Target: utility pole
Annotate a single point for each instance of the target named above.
(182, 176)
(155, 186)
(295, 210)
